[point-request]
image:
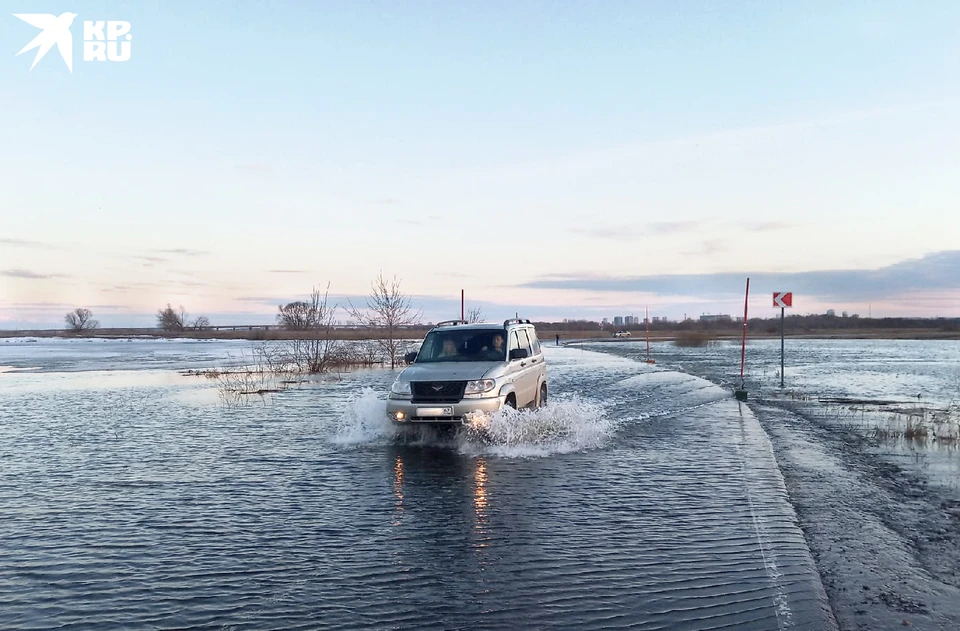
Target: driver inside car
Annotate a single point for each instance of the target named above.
(495, 350)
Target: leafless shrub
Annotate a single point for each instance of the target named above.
(916, 429)
(81, 320)
(694, 339)
(387, 311)
(200, 323)
(474, 315)
(315, 350)
(253, 375)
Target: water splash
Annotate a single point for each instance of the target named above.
(364, 420)
(567, 425)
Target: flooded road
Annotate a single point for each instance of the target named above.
(639, 498)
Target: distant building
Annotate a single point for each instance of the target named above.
(720, 317)
(605, 321)
(629, 320)
(831, 313)
(659, 319)
(618, 320)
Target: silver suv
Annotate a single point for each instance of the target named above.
(463, 369)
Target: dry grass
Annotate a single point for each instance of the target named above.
(270, 368)
(694, 339)
(921, 425)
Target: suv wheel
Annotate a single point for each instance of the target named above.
(511, 402)
(543, 395)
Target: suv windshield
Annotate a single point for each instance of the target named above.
(462, 345)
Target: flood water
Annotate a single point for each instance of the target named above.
(872, 469)
(132, 497)
(877, 388)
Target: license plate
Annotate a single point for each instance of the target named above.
(434, 411)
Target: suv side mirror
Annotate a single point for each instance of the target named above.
(410, 357)
(519, 353)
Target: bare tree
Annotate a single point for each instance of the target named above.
(170, 319)
(475, 315)
(316, 350)
(387, 312)
(201, 323)
(81, 320)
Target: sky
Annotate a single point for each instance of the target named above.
(556, 160)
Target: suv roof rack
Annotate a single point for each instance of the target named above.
(451, 323)
(510, 321)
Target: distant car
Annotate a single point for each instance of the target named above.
(462, 369)
(622, 334)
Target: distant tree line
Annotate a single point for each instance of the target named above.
(793, 323)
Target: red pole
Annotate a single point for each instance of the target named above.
(743, 344)
(461, 306)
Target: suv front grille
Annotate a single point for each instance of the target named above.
(437, 391)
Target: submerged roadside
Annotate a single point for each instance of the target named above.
(884, 540)
(881, 520)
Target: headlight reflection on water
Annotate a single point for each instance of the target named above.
(481, 502)
(480, 489)
(398, 489)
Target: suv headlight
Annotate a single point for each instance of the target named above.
(480, 386)
(400, 388)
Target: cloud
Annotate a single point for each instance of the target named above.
(672, 227)
(608, 232)
(934, 272)
(184, 252)
(260, 167)
(26, 243)
(710, 247)
(25, 273)
(625, 231)
(288, 271)
(172, 284)
(152, 259)
(661, 228)
(39, 305)
(574, 276)
(388, 201)
(765, 226)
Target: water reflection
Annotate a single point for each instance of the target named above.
(480, 500)
(398, 489)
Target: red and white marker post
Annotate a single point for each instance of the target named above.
(782, 299)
